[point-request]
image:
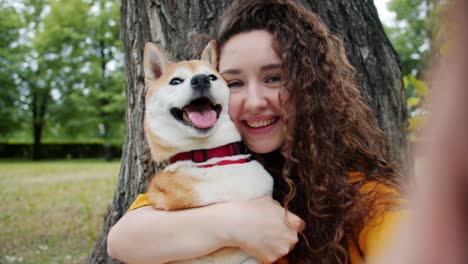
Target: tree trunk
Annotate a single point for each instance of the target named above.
(36, 151)
(172, 23)
(36, 129)
(376, 63)
(103, 102)
(39, 107)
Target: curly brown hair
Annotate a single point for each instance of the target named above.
(334, 132)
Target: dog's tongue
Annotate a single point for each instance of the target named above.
(201, 117)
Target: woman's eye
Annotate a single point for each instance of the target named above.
(212, 77)
(234, 84)
(176, 81)
(274, 79)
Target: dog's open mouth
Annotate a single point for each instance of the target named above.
(200, 113)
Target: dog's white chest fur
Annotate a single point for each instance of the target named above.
(228, 182)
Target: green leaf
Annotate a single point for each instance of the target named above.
(413, 101)
(406, 81)
(420, 87)
(416, 122)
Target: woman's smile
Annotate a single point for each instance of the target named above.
(261, 124)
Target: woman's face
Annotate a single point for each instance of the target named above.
(254, 75)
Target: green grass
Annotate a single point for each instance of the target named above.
(52, 211)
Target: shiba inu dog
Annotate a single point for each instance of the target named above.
(189, 130)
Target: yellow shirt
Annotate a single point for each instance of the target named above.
(373, 238)
(380, 230)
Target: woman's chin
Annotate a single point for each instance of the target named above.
(264, 146)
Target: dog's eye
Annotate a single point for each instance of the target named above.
(213, 77)
(176, 81)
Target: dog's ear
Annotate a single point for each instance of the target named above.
(155, 61)
(210, 53)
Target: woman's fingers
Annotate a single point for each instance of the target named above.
(262, 229)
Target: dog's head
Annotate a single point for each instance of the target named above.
(186, 103)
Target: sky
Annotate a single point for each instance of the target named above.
(385, 16)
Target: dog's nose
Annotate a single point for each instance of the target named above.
(200, 82)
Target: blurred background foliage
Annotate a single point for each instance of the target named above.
(61, 67)
(417, 34)
(61, 71)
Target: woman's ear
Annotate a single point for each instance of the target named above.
(155, 61)
(210, 53)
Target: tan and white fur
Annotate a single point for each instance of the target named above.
(183, 184)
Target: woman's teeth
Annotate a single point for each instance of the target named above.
(257, 124)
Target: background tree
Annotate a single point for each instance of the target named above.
(415, 30)
(94, 108)
(411, 33)
(106, 79)
(63, 73)
(58, 54)
(417, 27)
(172, 23)
(50, 36)
(11, 54)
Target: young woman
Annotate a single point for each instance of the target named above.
(295, 101)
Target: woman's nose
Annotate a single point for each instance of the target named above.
(255, 99)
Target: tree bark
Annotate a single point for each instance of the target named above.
(376, 62)
(172, 23)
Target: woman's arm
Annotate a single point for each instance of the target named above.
(146, 235)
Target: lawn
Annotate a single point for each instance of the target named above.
(52, 211)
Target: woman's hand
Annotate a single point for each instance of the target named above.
(258, 226)
(261, 228)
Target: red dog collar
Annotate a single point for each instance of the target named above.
(202, 155)
(225, 162)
